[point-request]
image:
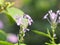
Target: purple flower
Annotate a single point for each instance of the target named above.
(24, 30)
(1, 24)
(23, 21)
(12, 38)
(29, 19)
(19, 19)
(53, 17)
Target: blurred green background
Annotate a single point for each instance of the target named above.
(36, 9)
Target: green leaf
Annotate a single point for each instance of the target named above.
(20, 44)
(50, 43)
(48, 32)
(2, 35)
(11, 20)
(1, 31)
(12, 12)
(41, 33)
(5, 43)
(16, 44)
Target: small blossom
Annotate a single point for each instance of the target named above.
(27, 29)
(58, 21)
(29, 19)
(58, 12)
(50, 11)
(27, 16)
(19, 19)
(24, 30)
(1, 24)
(12, 38)
(29, 22)
(45, 16)
(54, 35)
(53, 17)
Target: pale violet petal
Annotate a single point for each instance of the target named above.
(45, 16)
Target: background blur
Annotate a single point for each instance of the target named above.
(36, 9)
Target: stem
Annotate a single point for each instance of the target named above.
(21, 35)
(48, 20)
(53, 31)
(53, 39)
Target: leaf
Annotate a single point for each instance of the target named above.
(48, 32)
(11, 20)
(20, 44)
(5, 43)
(16, 44)
(40, 33)
(1, 31)
(2, 35)
(50, 43)
(12, 12)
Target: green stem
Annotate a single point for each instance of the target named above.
(53, 31)
(21, 35)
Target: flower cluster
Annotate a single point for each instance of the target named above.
(24, 20)
(20, 18)
(53, 17)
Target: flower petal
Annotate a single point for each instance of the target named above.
(45, 16)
